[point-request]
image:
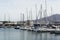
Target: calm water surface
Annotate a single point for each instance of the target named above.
(13, 34)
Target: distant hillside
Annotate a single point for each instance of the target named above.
(55, 17)
(52, 18)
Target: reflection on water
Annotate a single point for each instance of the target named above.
(13, 34)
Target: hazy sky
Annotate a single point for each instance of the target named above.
(12, 9)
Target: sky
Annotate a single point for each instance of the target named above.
(13, 9)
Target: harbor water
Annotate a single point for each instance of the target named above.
(13, 34)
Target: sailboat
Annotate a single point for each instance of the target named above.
(36, 24)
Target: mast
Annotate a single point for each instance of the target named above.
(23, 19)
(50, 19)
(27, 13)
(4, 20)
(9, 19)
(51, 14)
(51, 10)
(4, 17)
(27, 17)
(30, 14)
(41, 12)
(45, 12)
(36, 12)
(20, 16)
